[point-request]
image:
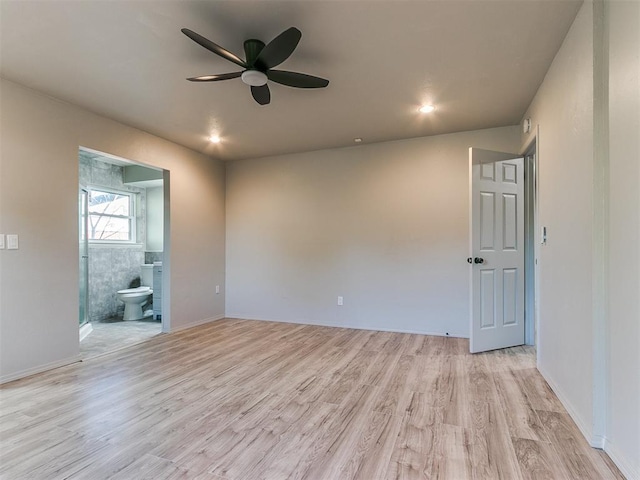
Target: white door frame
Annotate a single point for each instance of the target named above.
(166, 253)
(531, 254)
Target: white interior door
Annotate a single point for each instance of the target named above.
(497, 250)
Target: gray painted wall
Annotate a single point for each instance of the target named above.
(589, 271)
(40, 331)
(563, 109)
(623, 427)
(385, 225)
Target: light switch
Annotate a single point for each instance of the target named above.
(1, 241)
(12, 242)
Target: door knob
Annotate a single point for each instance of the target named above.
(478, 260)
(469, 260)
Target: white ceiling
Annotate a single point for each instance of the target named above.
(479, 61)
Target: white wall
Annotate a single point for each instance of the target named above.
(563, 109)
(385, 225)
(38, 201)
(623, 427)
(589, 272)
(155, 223)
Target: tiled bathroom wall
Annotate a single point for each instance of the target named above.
(150, 257)
(111, 267)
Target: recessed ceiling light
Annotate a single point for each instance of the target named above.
(426, 109)
(357, 140)
(214, 139)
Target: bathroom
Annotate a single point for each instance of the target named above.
(121, 252)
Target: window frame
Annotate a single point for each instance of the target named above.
(131, 217)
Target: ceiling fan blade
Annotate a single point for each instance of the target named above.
(261, 94)
(212, 47)
(215, 78)
(295, 79)
(279, 49)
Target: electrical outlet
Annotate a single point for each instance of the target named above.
(1, 241)
(217, 288)
(340, 301)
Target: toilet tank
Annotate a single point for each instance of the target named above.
(146, 275)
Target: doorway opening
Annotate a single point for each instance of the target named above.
(123, 252)
(502, 249)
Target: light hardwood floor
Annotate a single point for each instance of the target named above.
(239, 399)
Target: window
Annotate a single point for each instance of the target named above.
(111, 216)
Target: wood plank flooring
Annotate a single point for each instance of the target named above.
(239, 399)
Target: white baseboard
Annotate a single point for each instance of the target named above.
(595, 441)
(628, 470)
(196, 323)
(39, 369)
(85, 330)
(346, 325)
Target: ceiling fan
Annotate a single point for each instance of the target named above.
(259, 63)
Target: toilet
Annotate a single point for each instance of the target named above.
(135, 298)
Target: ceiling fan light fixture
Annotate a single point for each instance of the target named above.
(255, 78)
(259, 63)
(426, 109)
